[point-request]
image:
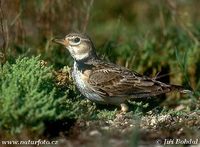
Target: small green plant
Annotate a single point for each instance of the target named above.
(29, 97)
(105, 114)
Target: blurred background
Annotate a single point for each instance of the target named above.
(157, 38)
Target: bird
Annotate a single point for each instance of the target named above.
(104, 82)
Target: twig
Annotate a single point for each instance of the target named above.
(87, 15)
(176, 15)
(157, 76)
(5, 36)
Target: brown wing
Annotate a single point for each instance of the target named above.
(116, 82)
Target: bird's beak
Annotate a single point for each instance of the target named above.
(64, 42)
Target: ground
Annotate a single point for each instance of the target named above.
(38, 99)
(124, 130)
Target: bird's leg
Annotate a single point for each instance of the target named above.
(124, 107)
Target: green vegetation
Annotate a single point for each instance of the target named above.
(29, 97)
(160, 39)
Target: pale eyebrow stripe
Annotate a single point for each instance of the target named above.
(85, 39)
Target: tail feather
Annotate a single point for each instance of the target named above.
(180, 89)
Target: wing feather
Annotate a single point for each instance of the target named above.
(116, 82)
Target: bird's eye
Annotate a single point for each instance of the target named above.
(77, 39)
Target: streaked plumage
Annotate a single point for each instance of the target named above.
(106, 82)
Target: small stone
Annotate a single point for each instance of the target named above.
(105, 128)
(95, 133)
(180, 107)
(180, 131)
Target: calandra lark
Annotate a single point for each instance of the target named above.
(105, 82)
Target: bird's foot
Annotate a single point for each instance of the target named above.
(124, 108)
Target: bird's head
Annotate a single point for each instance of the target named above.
(80, 46)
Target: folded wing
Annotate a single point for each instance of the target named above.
(115, 82)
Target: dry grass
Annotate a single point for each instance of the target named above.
(157, 38)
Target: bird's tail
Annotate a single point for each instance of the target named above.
(180, 89)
